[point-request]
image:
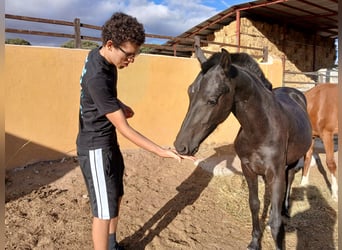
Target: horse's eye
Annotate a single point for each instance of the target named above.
(212, 102)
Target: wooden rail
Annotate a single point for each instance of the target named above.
(172, 45)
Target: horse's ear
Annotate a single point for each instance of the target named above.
(198, 51)
(226, 64)
(226, 60)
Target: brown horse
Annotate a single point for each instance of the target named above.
(322, 110)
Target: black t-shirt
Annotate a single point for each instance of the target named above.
(98, 98)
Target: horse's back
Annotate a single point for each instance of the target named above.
(293, 103)
(290, 98)
(322, 106)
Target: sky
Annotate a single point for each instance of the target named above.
(161, 17)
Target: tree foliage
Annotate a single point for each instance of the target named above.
(145, 50)
(84, 44)
(17, 41)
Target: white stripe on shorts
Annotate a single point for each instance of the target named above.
(97, 172)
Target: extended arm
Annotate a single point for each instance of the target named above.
(119, 121)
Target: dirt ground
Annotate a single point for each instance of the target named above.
(167, 205)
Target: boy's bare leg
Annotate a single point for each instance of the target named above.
(100, 233)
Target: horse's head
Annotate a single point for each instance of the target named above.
(211, 99)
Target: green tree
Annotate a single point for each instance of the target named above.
(145, 50)
(84, 44)
(17, 41)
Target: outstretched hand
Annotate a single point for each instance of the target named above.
(174, 154)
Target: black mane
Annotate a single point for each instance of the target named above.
(241, 59)
(212, 61)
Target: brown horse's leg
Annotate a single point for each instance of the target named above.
(307, 164)
(254, 205)
(328, 142)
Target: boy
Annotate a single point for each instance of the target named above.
(101, 114)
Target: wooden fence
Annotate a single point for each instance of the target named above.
(171, 47)
(304, 80)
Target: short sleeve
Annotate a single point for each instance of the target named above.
(104, 94)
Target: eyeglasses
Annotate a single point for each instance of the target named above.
(129, 56)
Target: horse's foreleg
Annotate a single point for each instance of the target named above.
(290, 174)
(328, 142)
(277, 198)
(307, 165)
(254, 205)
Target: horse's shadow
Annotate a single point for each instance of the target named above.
(188, 192)
(314, 226)
(223, 162)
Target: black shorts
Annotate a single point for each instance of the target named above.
(103, 170)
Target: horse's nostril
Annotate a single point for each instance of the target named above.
(182, 149)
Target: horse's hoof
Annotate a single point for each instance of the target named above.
(253, 246)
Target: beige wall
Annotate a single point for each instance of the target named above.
(42, 95)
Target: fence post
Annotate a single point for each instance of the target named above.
(77, 27)
(283, 59)
(174, 49)
(265, 54)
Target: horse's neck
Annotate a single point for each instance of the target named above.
(252, 109)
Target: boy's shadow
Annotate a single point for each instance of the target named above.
(188, 192)
(314, 226)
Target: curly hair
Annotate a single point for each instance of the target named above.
(122, 28)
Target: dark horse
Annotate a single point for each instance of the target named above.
(275, 129)
(323, 111)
